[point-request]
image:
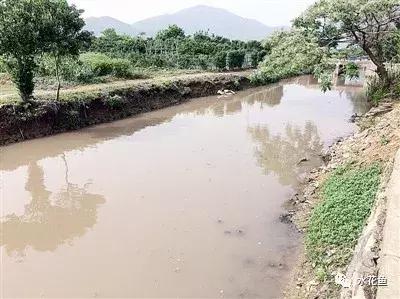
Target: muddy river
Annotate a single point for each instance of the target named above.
(182, 202)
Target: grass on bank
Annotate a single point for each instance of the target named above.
(377, 91)
(337, 222)
(46, 90)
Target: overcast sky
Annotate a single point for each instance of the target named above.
(269, 12)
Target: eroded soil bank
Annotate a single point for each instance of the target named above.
(377, 141)
(22, 121)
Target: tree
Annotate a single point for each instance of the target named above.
(391, 47)
(115, 44)
(107, 41)
(220, 60)
(367, 23)
(235, 59)
(172, 32)
(20, 41)
(29, 29)
(291, 53)
(63, 33)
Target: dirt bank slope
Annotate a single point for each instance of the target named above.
(104, 103)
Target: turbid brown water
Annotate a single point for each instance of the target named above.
(178, 203)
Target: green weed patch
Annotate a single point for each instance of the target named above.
(337, 222)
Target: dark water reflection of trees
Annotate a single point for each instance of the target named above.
(49, 219)
(281, 153)
(270, 97)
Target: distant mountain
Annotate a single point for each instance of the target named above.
(98, 25)
(216, 20)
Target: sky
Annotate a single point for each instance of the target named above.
(269, 12)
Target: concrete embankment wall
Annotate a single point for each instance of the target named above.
(22, 121)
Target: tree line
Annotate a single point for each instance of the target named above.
(45, 38)
(171, 48)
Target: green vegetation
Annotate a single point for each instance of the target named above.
(31, 28)
(377, 91)
(2, 66)
(42, 43)
(337, 222)
(351, 70)
(171, 48)
(384, 140)
(335, 29)
(368, 24)
(103, 65)
(291, 53)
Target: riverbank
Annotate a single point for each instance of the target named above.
(90, 105)
(355, 248)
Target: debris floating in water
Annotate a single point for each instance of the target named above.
(225, 92)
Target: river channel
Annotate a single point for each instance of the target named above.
(182, 202)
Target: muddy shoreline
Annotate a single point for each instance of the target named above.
(23, 121)
(376, 141)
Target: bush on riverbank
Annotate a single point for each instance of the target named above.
(378, 91)
(89, 68)
(337, 222)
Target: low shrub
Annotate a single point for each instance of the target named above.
(377, 90)
(85, 75)
(337, 222)
(146, 61)
(121, 68)
(103, 65)
(68, 67)
(100, 64)
(261, 77)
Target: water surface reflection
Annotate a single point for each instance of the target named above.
(49, 219)
(290, 154)
(181, 202)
